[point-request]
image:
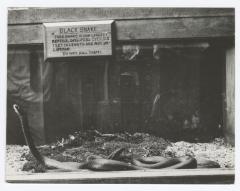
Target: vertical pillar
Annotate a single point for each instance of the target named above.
(230, 95)
(103, 110)
(105, 81)
(45, 112)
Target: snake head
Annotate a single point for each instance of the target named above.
(17, 109)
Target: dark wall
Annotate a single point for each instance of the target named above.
(187, 76)
(76, 91)
(212, 77)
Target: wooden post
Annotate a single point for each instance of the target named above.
(103, 110)
(80, 101)
(230, 95)
(105, 81)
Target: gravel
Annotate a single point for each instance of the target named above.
(217, 151)
(15, 159)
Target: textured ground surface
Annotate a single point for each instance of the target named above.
(78, 148)
(15, 158)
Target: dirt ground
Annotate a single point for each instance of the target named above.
(79, 146)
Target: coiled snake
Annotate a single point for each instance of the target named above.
(96, 163)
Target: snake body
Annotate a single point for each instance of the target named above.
(97, 163)
(157, 162)
(27, 134)
(93, 163)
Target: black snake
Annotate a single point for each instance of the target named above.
(97, 163)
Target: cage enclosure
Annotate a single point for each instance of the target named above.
(166, 88)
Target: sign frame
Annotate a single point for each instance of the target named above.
(78, 39)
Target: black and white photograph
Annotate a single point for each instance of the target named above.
(120, 95)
